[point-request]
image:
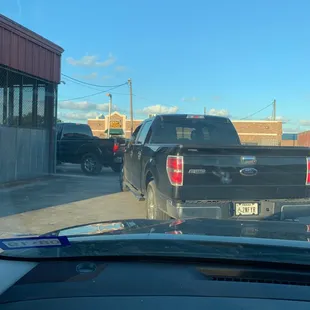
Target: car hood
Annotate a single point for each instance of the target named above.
(195, 226)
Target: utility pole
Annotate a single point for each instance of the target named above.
(204, 111)
(131, 110)
(274, 117)
(110, 108)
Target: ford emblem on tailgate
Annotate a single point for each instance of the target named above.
(248, 172)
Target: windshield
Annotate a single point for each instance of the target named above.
(155, 124)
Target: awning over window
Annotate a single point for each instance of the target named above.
(117, 131)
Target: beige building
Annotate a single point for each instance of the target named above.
(120, 125)
(250, 132)
(259, 132)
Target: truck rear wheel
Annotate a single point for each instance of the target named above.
(90, 164)
(152, 211)
(151, 208)
(124, 187)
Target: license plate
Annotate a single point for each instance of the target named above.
(118, 160)
(246, 208)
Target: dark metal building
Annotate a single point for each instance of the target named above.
(29, 75)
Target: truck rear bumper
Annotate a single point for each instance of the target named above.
(267, 210)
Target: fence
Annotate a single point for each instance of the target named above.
(27, 126)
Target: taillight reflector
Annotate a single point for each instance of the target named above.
(115, 147)
(178, 222)
(174, 232)
(175, 170)
(308, 171)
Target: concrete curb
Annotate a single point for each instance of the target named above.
(26, 181)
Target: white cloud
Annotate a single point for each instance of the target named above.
(291, 129)
(86, 106)
(189, 99)
(305, 122)
(77, 116)
(159, 109)
(82, 105)
(105, 107)
(279, 118)
(90, 76)
(91, 61)
(221, 112)
(120, 68)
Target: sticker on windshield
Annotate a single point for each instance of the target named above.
(33, 242)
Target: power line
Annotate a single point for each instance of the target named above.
(142, 98)
(95, 94)
(257, 111)
(90, 84)
(81, 84)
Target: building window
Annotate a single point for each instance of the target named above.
(27, 103)
(14, 88)
(3, 96)
(41, 106)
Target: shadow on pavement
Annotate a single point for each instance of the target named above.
(67, 186)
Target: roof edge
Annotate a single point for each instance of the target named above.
(29, 34)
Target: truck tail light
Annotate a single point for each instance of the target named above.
(115, 147)
(174, 232)
(308, 171)
(175, 169)
(178, 222)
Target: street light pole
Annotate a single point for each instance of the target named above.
(131, 109)
(110, 108)
(274, 116)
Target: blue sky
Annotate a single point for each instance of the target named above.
(232, 57)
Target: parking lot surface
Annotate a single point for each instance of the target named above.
(65, 199)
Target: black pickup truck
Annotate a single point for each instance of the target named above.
(195, 166)
(77, 145)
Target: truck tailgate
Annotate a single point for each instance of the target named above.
(243, 173)
(106, 147)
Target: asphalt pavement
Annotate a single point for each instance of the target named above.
(66, 199)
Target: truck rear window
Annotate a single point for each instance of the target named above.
(196, 131)
(77, 131)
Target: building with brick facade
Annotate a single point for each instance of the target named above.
(259, 132)
(250, 132)
(304, 139)
(120, 125)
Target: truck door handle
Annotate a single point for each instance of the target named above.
(139, 155)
